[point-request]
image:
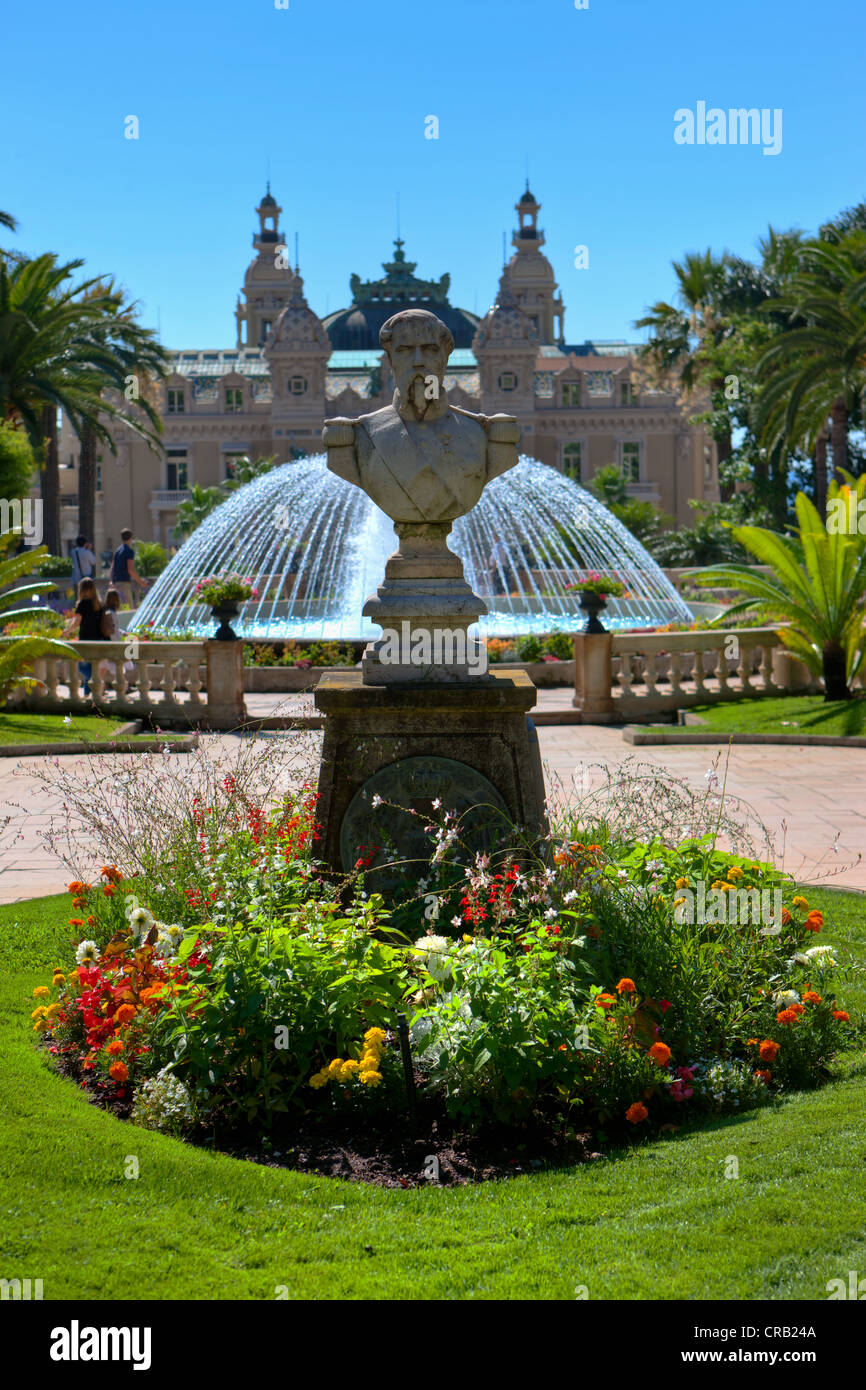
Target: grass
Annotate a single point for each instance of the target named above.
(654, 1220)
(52, 728)
(788, 714)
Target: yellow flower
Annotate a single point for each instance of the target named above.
(52, 1011)
(682, 883)
(374, 1036)
(38, 1013)
(728, 887)
(369, 1061)
(333, 1068)
(319, 1080)
(371, 1078)
(678, 901)
(41, 992)
(58, 978)
(735, 871)
(40, 1026)
(348, 1069)
(799, 902)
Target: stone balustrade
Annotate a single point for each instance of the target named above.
(637, 675)
(180, 682)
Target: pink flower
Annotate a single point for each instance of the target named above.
(665, 1005)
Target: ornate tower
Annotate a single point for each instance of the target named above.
(268, 281)
(506, 347)
(297, 351)
(531, 274)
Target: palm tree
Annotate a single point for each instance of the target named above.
(817, 584)
(709, 289)
(130, 358)
(814, 371)
(58, 350)
(200, 503)
(8, 221)
(17, 657)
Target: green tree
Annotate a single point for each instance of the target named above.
(642, 519)
(57, 352)
(814, 371)
(17, 463)
(817, 585)
(199, 505)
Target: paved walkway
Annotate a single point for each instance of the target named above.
(818, 793)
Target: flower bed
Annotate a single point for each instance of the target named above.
(225, 986)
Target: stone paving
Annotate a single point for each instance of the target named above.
(819, 792)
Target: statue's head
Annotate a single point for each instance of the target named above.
(418, 347)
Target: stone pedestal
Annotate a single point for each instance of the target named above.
(469, 746)
(425, 604)
(225, 684)
(592, 677)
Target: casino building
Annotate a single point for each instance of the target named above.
(580, 406)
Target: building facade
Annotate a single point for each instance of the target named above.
(580, 406)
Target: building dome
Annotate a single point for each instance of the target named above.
(297, 325)
(374, 302)
(505, 325)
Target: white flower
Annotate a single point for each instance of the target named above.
(140, 918)
(786, 997)
(822, 957)
(87, 953)
(570, 895)
(377, 801)
(67, 719)
(434, 951)
(655, 866)
(622, 873)
(437, 803)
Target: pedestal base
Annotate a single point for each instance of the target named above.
(386, 747)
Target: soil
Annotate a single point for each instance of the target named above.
(430, 1151)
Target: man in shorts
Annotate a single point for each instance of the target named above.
(123, 571)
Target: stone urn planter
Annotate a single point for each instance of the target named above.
(592, 604)
(222, 614)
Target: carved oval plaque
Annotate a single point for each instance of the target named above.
(391, 840)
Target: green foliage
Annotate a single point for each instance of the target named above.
(195, 508)
(150, 559)
(17, 463)
(55, 566)
(17, 656)
(529, 648)
(817, 585)
(299, 654)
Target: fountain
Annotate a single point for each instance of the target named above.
(315, 547)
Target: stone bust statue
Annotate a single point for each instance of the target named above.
(420, 459)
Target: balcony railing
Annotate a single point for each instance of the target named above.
(168, 497)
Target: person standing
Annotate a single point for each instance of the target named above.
(87, 621)
(123, 572)
(83, 561)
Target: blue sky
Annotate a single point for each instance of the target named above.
(330, 97)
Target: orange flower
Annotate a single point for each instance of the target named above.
(763, 1076)
(810, 997)
(626, 986)
(786, 1016)
(636, 1113)
(660, 1053)
(814, 922)
(841, 1016)
(604, 1001)
(797, 1009)
(753, 1042)
(118, 1071)
(115, 1047)
(109, 890)
(786, 921)
(91, 921)
(125, 1014)
(768, 1051)
(76, 921)
(77, 902)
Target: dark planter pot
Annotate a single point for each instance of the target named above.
(592, 604)
(222, 612)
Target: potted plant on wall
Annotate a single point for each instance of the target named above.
(594, 592)
(224, 593)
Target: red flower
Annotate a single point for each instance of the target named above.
(814, 922)
(841, 1016)
(636, 1113)
(660, 1053)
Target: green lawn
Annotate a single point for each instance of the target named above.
(789, 714)
(656, 1220)
(42, 728)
